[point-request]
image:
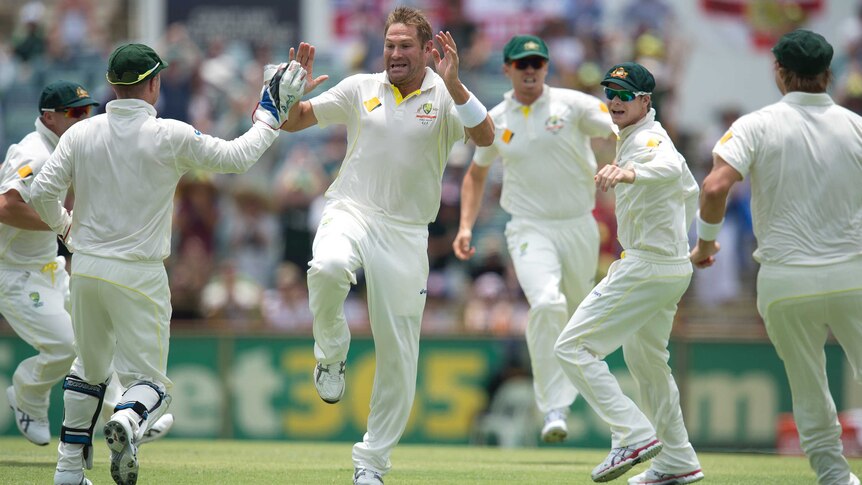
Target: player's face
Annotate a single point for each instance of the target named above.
(404, 55)
(625, 113)
(527, 75)
(60, 121)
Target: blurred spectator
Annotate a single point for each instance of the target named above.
(253, 239)
(232, 298)
(28, 42)
(285, 308)
(492, 310)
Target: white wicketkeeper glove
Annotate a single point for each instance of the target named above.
(283, 86)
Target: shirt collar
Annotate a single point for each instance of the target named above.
(50, 137)
(808, 99)
(129, 106)
(427, 82)
(648, 119)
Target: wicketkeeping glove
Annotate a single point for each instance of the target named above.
(283, 86)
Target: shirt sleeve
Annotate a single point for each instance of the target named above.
(196, 150)
(334, 105)
(52, 180)
(655, 160)
(595, 118)
(737, 147)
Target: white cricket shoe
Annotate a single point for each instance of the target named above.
(34, 428)
(70, 477)
(653, 477)
(329, 381)
(622, 459)
(120, 435)
(365, 476)
(158, 429)
(555, 429)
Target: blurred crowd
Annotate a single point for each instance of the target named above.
(241, 243)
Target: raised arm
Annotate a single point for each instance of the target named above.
(473, 114)
(301, 116)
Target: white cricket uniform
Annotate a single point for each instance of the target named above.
(804, 157)
(553, 238)
(124, 167)
(376, 217)
(635, 304)
(34, 284)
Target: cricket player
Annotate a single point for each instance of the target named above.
(34, 284)
(803, 155)
(401, 125)
(635, 304)
(124, 167)
(543, 136)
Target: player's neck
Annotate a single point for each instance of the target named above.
(527, 98)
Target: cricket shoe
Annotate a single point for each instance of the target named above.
(71, 477)
(555, 429)
(653, 477)
(120, 437)
(34, 428)
(158, 429)
(329, 381)
(364, 476)
(622, 459)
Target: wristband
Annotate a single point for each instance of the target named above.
(472, 112)
(707, 231)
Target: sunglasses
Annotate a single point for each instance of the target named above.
(75, 112)
(534, 62)
(624, 95)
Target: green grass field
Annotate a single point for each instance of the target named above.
(191, 462)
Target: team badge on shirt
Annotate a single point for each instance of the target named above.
(37, 300)
(426, 113)
(554, 124)
(507, 136)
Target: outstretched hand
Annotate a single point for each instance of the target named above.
(304, 55)
(447, 64)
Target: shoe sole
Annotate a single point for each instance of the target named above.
(648, 452)
(685, 479)
(554, 435)
(124, 465)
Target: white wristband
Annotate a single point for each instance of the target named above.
(707, 231)
(472, 112)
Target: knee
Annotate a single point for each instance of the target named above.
(549, 302)
(329, 267)
(572, 350)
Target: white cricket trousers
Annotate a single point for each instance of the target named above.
(800, 306)
(34, 301)
(395, 260)
(632, 307)
(555, 262)
(121, 310)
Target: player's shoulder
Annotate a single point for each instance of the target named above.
(651, 136)
(498, 109)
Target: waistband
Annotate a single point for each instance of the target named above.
(581, 219)
(651, 257)
(367, 213)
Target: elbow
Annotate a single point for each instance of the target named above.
(484, 138)
(714, 190)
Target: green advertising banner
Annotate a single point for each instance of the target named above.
(261, 388)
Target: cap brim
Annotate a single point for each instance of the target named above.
(82, 102)
(622, 82)
(529, 54)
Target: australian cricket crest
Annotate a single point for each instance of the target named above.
(426, 113)
(554, 124)
(36, 299)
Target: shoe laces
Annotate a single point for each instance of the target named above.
(555, 415)
(327, 369)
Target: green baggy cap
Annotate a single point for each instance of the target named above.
(60, 95)
(132, 63)
(521, 46)
(631, 76)
(803, 52)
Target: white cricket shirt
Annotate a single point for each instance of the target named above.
(397, 144)
(548, 162)
(655, 212)
(804, 157)
(23, 160)
(124, 167)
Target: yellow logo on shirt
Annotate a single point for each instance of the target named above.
(653, 142)
(507, 136)
(727, 136)
(371, 104)
(604, 108)
(25, 171)
(426, 113)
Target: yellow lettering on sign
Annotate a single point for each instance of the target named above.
(456, 400)
(310, 417)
